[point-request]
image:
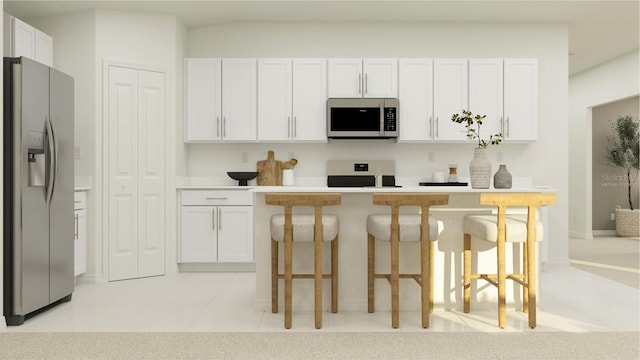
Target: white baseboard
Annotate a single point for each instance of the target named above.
(604, 233)
(580, 235)
(4, 322)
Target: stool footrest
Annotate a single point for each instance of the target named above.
(416, 277)
(305, 276)
(489, 277)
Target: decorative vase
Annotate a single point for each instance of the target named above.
(502, 178)
(480, 169)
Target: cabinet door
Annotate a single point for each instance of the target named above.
(24, 37)
(521, 99)
(274, 99)
(198, 235)
(239, 99)
(449, 97)
(44, 48)
(203, 99)
(310, 100)
(416, 99)
(380, 78)
(486, 93)
(80, 242)
(235, 234)
(345, 78)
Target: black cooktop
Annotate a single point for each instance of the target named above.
(359, 181)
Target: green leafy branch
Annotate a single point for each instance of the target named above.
(472, 124)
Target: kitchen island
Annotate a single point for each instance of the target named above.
(356, 205)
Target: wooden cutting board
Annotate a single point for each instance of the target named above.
(269, 171)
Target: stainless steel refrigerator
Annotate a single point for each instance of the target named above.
(38, 233)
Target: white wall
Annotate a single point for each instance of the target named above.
(608, 82)
(546, 160)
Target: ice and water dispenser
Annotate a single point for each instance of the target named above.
(36, 159)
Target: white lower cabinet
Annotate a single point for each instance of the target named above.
(216, 226)
(80, 233)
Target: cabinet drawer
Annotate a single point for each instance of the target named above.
(79, 200)
(217, 197)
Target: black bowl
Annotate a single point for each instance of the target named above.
(242, 176)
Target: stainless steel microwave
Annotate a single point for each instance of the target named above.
(359, 118)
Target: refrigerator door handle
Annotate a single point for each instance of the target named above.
(52, 156)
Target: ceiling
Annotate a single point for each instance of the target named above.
(598, 30)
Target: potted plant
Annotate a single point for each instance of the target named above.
(624, 152)
(480, 166)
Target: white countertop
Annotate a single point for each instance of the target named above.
(214, 187)
(404, 189)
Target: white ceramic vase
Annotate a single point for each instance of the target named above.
(480, 169)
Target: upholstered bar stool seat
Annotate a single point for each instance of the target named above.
(288, 228)
(502, 228)
(380, 227)
(304, 227)
(485, 227)
(395, 228)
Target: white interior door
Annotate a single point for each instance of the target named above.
(136, 172)
(151, 173)
(122, 177)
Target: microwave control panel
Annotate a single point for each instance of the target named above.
(390, 121)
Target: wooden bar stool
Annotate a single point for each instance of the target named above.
(500, 229)
(395, 228)
(298, 228)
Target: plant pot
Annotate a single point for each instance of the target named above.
(480, 169)
(627, 222)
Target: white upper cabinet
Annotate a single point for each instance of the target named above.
(506, 91)
(372, 78)
(203, 99)
(274, 99)
(220, 110)
(520, 99)
(415, 92)
(25, 40)
(239, 99)
(292, 98)
(380, 78)
(486, 93)
(450, 96)
(309, 100)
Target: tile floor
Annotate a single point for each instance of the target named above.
(572, 300)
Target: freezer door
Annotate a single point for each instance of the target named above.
(61, 215)
(31, 222)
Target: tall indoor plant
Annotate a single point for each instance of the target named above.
(480, 166)
(624, 152)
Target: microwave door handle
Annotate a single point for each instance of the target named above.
(381, 119)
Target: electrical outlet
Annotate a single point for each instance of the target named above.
(244, 157)
(613, 216)
(500, 157)
(430, 156)
(77, 153)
